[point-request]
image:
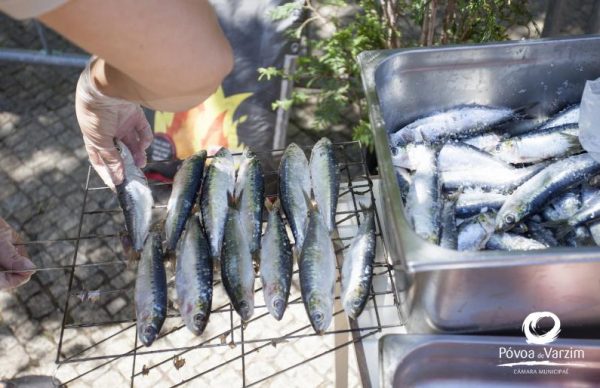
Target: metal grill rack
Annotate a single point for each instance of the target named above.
(261, 340)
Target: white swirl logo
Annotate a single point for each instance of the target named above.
(530, 326)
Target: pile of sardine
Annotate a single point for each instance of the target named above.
(476, 177)
(215, 219)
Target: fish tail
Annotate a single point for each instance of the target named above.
(561, 227)
(256, 261)
(234, 201)
(312, 206)
(526, 111)
(269, 205)
(367, 207)
(170, 258)
(573, 140)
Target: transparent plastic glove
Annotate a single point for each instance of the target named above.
(589, 119)
(13, 259)
(103, 118)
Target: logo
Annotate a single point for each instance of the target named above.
(536, 358)
(530, 327)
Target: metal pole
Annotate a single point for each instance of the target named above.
(40, 58)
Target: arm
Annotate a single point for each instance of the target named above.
(165, 55)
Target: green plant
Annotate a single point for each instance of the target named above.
(330, 66)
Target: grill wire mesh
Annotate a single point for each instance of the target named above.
(260, 340)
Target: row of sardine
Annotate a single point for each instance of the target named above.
(227, 230)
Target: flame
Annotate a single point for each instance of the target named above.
(209, 125)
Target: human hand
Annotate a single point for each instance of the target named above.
(13, 259)
(102, 119)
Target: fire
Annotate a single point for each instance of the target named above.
(209, 126)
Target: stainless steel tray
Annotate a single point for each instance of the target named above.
(452, 291)
(473, 361)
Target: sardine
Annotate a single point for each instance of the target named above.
(194, 277)
(458, 122)
(545, 185)
(219, 180)
(150, 290)
(317, 271)
(250, 181)
(590, 211)
(449, 232)
(474, 201)
(423, 202)
(135, 198)
(237, 271)
(276, 263)
(294, 182)
(512, 242)
(474, 233)
(325, 178)
(555, 142)
(357, 269)
(462, 165)
(184, 194)
(568, 115)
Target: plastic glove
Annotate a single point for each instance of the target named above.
(102, 119)
(589, 119)
(13, 258)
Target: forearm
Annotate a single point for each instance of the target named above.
(169, 55)
(113, 82)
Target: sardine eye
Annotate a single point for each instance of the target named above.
(198, 319)
(318, 317)
(395, 151)
(148, 331)
(509, 219)
(356, 303)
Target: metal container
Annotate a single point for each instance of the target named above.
(451, 291)
(479, 361)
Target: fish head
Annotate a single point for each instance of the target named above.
(125, 153)
(148, 332)
(278, 306)
(196, 318)
(353, 303)
(320, 312)
(246, 309)
(507, 218)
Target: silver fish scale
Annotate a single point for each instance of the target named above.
(186, 186)
(468, 120)
(276, 265)
(135, 198)
(151, 290)
(237, 271)
(194, 277)
(317, 273)
(325, 179)
(218, 182)
(251, 186)
(357, 269)
(294, 184)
